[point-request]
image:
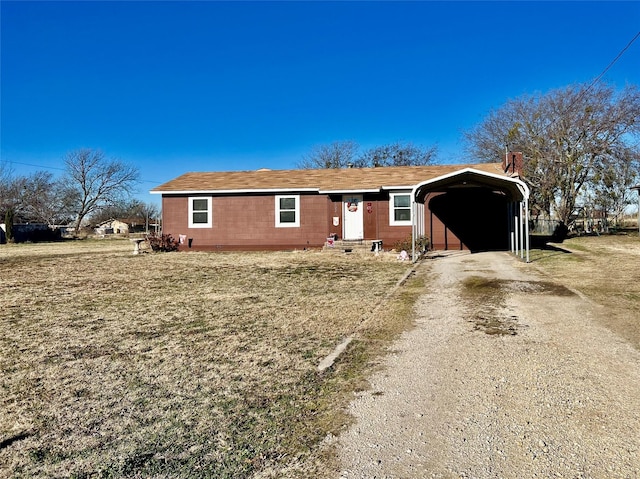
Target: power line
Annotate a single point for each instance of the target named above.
(62, 169)
(597, 79)
(35, 166)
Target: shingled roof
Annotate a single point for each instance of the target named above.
(321, 180)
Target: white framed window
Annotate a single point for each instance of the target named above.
(287, 211)
(200, 214)
(400, 209)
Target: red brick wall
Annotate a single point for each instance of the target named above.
(248, 223)
(334, 208)
(387, 233)
(375, 219)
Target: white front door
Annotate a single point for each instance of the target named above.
(352, 217)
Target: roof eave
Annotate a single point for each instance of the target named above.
(349, 192)
(398, 187)
(239, 191)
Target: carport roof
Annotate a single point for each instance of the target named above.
(470, 177)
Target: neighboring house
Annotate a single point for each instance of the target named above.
(112, 227)
(456, 206)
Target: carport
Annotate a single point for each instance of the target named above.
(487, 211)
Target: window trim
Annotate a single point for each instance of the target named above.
(294, 224)
(392, 209)
(209, 222)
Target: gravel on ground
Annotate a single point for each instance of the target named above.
(505, 375)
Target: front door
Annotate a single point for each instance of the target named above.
(352, 217)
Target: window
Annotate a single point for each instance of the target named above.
(200, 212)
(287, 211)
(399, 209)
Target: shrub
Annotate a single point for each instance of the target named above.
(422, 244)
(162, 242)
(8, 222)
(560, 233)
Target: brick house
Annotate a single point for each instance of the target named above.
(456, 206)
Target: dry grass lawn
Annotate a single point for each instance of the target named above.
(181, 364)
(205, 365)
(607, 270)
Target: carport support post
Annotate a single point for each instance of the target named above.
(413, 230)
(519, 228)
(521, 234)
(512, 223)
(526, 225)
(515, 228)
(510, 229)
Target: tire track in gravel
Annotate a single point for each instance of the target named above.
(559, 398)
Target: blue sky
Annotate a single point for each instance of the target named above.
(211, 86)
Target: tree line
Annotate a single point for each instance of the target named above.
(92, 186)
(346, 154)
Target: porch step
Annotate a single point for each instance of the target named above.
(350, 246)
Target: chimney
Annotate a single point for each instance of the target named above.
(513, 163)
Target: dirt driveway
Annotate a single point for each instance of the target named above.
(505, 375)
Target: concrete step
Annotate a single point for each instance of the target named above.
(348, 246)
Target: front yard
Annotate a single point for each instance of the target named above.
(182, 364)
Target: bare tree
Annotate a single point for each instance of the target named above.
(611, 191)
(151, 213)
(344, 154)
(399, 154)
(96, 181)
(9, 191)
(339, 154)
(567, 136)
(44, 200)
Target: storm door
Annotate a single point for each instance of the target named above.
(352, 218)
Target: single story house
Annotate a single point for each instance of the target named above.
(112, 226)
(475, 207)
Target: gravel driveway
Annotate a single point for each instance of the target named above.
(505, 375)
